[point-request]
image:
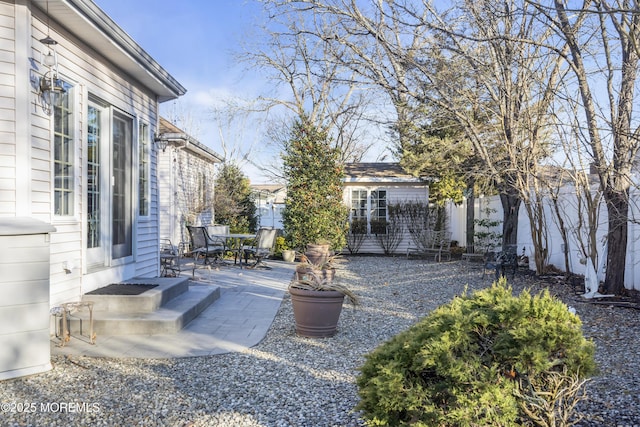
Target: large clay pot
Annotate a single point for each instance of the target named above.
(316, 312)
(317, 254)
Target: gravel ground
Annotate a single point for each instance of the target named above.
(291, 381)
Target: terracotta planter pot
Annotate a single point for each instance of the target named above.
(316, 312)
(317, 254)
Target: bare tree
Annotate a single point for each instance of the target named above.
(603, 56)
(369, 43)
(516, 75)
(309, 82)
(575, 196)
(416, 53)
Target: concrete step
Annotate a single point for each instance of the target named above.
(170, 318)
(151, 300)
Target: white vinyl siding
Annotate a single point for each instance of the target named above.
(186, 189)
(90, 75)
(8, 146)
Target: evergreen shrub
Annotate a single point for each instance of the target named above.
(483, 359)
(314, 210)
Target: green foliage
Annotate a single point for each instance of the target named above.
(314, 210)
(233, 202)
(485, 236)
(441, 152)
(279, 246)
(465, 364)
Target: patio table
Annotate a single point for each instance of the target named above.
(237, 241)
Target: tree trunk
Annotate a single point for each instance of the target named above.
(617, 208)
(471, 215)
(510, 209)
(538, 224)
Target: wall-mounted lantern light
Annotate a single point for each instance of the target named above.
(161, 142)
(51, 87)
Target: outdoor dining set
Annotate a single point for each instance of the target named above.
(210, 245)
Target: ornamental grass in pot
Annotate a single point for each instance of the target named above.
(317, 300)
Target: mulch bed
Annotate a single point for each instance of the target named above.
(122, 289)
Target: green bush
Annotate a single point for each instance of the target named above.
(279, 246)
(473, 361)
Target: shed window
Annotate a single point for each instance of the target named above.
(368, 211)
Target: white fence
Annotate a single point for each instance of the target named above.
(555, 245)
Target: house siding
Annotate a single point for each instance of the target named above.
(181, 172)
(7, 111)
(26, 157)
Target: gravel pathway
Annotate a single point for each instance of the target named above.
(292, 381)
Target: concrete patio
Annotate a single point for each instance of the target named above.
(248, 301)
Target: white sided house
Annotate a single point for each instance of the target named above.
(370, 187)
(77, 125)
(186, 175)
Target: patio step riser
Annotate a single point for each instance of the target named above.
(147, 302)
(169, 319)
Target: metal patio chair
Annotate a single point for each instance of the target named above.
(263, 247)
(169, 259)
(202, 245)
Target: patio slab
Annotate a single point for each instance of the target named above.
(239, 319)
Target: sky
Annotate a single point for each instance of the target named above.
(196, 41)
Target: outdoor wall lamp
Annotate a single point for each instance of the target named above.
(178, 140)
(50, 86)
(161, 142)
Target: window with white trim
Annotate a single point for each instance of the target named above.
(368, 211)
(144, 168)
(378, 205)
(378, 212)
(63, 155)
(359, 204)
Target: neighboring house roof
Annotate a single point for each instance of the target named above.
(377, 172)
(179, 138)
(92, 25)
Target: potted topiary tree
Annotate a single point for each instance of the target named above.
(314, 211)
(281, 249)
(314, 214)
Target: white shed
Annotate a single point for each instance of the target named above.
(370, 187)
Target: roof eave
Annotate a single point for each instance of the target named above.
(95, 28)
(382, 179)
(183, 140)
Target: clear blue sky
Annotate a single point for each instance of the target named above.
(195, 41)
